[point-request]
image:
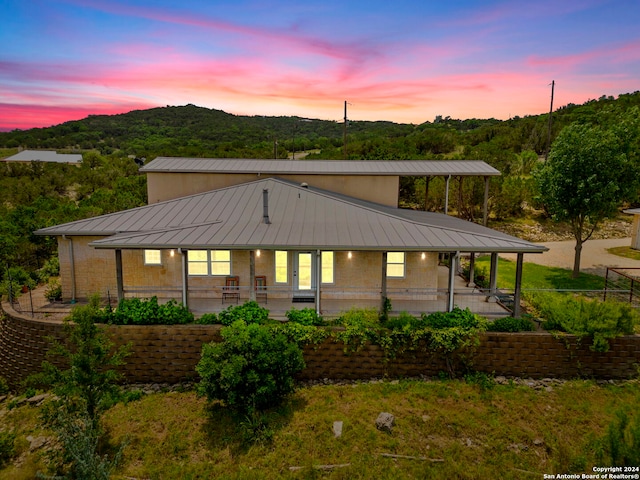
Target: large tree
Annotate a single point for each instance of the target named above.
(586, 178)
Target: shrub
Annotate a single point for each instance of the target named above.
(7, 447)
(305, 316)
(4, 386)
(464, 319)
(133, 311)
(621, 445)
(360, 325)
(249, 312)
(480, 275)
(586, 318)
(207, 319)
(251, 369)
(510, 324)
(404, 321)
(53, 291)
(51, 268)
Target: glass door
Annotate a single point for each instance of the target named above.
(304, 282)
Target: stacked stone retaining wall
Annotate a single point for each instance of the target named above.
(168, 354)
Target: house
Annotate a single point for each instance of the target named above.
(49, 156)
(289, 232)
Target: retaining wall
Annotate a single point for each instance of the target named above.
(168, 354)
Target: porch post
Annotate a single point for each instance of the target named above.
(485, 204)
(453, 264)
(493, 280)
(426, 192)
(119, 282)
(446, 195)
(383, 282)
(185, 278)
(318, 279)
(472, 268)
(252, 275)
(516, 293)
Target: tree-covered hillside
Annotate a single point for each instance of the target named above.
(37, 195)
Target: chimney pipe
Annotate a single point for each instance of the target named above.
(265, 206)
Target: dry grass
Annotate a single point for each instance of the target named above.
(477, 432)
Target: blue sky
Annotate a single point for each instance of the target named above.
(404, 61)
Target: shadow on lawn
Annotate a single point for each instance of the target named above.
(226, 428)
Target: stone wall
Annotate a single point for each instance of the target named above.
(168, 354)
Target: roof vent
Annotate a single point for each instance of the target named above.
(304, 185)
(265, 206)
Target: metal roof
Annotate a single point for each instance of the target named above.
(301, 218)
(44, 156)
(321, 167)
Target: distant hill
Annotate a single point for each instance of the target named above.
(201, 132)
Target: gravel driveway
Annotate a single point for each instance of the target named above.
(595, 258)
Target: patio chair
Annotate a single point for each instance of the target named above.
(260, 287)
(231, 289)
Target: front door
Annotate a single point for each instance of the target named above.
(304, 282)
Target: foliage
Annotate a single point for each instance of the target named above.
(54, 290)
(480, 274)
(51, 268)
(586, 178)
(207, 319)
(7, 446)
(510, 324)
(621, 444)
(360, 325)
(305, 316)
(300, 333)
(83, 391)
(133, 311)
(4, 386)
(251, 369)
(586, 318)
(249, 312)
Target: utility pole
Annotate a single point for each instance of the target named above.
(546, 153)
(345, 130)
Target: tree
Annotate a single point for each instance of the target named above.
(585, 180)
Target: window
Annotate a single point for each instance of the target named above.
(327, 261)
(153, 257)
(395, 264)
(209, 262)
(282, 267)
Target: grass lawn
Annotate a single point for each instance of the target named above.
(539, 277)
(626, 252)
(444, 429)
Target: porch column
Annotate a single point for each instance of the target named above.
(446, 194)
(485, 204)
(493, 277)
(185, 278)
(453, 265)
(119, 282)
(383, 282)
(516, 293)
(318, 279)
(252, 275)
(472, 268)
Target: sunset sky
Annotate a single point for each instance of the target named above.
(403, 61)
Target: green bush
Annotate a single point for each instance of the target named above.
(621, 445)
(133, 311)
(4, 386)
(251, 369)
(51, 268)
(480, 275)
(249, 312)
(404, 321)
(207, 319)
(7, 447)
(510, 324)
(53, 291)
(305, 316)
(459, 318)
(586, 318)
(360, 325)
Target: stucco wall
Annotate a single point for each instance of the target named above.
(163, 186)
(169, 354)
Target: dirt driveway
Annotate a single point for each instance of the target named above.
(595, 258)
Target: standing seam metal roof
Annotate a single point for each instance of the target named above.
(301, 218)
(321, 167)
